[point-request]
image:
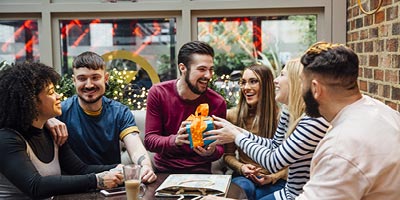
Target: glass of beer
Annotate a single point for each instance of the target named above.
(134, 188)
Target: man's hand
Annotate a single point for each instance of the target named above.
(148, 174)
(58, 130)
(139, 156)
(207, 151)
(182, 137)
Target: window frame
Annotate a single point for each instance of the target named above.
(331, 20)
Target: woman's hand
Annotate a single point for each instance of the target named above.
(261, 179)
(109, 179)
(224, 133)
(58, 130)
(247, 169)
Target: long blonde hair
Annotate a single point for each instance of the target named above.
(296, 105)
(265, 120)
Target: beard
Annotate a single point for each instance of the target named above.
(311, 104)
(90, 100)
(192, 87)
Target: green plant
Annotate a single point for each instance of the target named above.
(130, 94)
(66, 86)
(221, 85)
(225, 63)
(309, 35)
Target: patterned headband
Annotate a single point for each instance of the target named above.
(319, 47)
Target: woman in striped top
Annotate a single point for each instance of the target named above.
(302, 132)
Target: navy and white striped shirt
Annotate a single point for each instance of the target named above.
(295, 152)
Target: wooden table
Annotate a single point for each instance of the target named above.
(234, 192)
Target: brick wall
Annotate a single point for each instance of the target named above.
(375, 38)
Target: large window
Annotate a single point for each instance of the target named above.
(241, 41)
(272, 40)
(19, 41)
(151, 39)
(140, 39)
(138, 53)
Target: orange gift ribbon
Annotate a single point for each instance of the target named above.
(198, 125)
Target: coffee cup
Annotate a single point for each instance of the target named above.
(134, 188)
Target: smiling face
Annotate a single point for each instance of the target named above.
(49, 104)
(250, 87)
(282, 87)
(198, 74)
(90, 84)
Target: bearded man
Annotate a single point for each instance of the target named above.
(359, 156)
(170, 103)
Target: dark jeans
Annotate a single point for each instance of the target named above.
(254, 191)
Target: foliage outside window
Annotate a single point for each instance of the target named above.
(241, 41)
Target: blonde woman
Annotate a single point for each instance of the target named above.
(257, 112)
(303, 135)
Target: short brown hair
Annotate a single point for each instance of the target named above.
(89, 60)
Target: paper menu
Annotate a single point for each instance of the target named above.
(194, 185)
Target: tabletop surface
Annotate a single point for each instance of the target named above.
(234, 192)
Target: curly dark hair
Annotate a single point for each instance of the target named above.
(20, 85)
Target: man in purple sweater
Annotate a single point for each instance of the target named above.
(170, 103)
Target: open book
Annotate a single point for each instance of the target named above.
(194, 185)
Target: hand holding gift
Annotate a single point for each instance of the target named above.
(200, 123)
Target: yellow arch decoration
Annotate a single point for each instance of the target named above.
(122, 54)
(372, 11)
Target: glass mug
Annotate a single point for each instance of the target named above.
(133, 186)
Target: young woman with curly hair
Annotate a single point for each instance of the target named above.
(30, 161)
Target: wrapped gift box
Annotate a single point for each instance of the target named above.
(197, 139)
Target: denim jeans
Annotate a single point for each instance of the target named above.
(268, 197)
(253, 191)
